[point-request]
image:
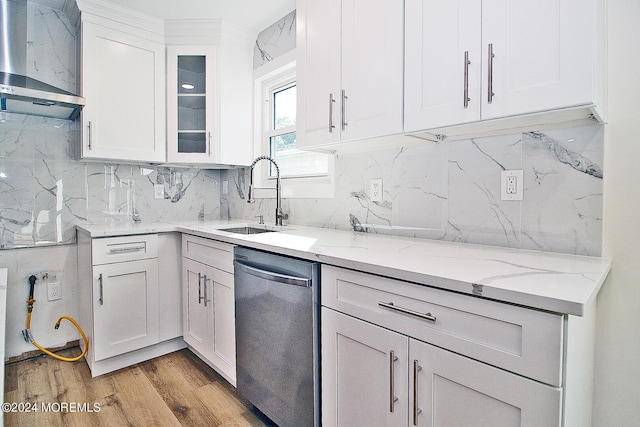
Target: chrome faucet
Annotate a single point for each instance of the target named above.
(279, 214)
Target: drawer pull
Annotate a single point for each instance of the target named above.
(128, 249)
(424, 316)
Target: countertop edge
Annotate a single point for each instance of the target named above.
(570, 306)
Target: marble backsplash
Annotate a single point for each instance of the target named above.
(451, 192)
(44, 191)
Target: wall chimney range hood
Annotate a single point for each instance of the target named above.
(19, 93)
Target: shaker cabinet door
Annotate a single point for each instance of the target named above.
(543, 55)
(125, 307)
(123, 83)
(364, 373)
(450, 390)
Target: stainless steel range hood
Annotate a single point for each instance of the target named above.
(19, 93)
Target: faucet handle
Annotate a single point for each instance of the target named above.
(261, 220)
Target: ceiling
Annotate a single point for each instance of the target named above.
(254, 15)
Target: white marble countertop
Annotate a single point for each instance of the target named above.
(548, 281)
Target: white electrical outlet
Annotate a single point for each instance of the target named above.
(158, 191)
(375, 189)
(53, 291)
(225, 187)
(511, 185)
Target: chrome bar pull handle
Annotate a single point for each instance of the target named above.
(101, 297)
(331, 102)
(126, 249)
(200, 288)
(89, 135)
(344, 109)
(209, 142)
(424, 316)
(490, 73)
(466, 79)
(392, 394)
(416, 411)
(205, 291)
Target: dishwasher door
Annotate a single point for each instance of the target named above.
(277, 340)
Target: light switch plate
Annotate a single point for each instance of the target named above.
(511, 185)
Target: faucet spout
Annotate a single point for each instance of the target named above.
(279, 214)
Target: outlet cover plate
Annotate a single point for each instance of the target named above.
(53, 291)
(511, 185)
(158, 191)
(375, 190)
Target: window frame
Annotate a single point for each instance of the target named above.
(267, 78)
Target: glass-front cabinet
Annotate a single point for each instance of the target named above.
(191, 84)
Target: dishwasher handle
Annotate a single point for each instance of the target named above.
(273, 276)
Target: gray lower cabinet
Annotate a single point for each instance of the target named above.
(400, 354)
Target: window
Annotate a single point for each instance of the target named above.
(281, 137)
(304, 174)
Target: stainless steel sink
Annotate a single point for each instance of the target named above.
(246, 230)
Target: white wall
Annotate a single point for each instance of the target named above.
(617, 381)
(58, 261)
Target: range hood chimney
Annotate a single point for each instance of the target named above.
(19, 93)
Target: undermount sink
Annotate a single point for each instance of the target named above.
(246, 230)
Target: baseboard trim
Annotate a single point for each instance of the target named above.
(37, 353)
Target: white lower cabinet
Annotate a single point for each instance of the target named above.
(447, 389)
(375, 377)
(360, 373)
(400, 354)
(120, 302)
(209, 303)
(126, 307)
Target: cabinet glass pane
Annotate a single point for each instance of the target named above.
(192, 142)
(191, 74)
(192, 113)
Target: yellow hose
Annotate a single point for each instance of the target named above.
(57, 325)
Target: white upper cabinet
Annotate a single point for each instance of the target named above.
(211, 124)
(123, 82)
(349, 70)
(475, 60)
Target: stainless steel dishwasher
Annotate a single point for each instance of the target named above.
(277, 341)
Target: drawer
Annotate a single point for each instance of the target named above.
(521, 340)
(209, 252)
(107, 250)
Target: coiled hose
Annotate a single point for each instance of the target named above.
(29, 337)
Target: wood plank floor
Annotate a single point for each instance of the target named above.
(177, 389)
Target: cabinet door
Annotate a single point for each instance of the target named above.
(451, 390)
(195, 314)
(543, 55)
(125, 307)
(191, 83)
(364, 370)
(222, 303)
(318, 72)
(123, 83)
(372, 68)
(440, 35)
